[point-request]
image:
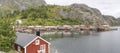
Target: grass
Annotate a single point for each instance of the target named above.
(12, 51)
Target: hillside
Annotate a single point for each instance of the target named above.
(81, 12)
(21, 3)
(36, 12)
(118, 20)
(111, 20)
(59, 15)
(8, 6)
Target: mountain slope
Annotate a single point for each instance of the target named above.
(22, 3)
(73, 14)
(8, 6)
(83, 12)
(80, 11)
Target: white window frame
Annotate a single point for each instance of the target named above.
(43, 48)
(37, 42)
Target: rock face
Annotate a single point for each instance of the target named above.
(29, 3)
(110, 20)
(21, 3)
(8, 6)
(87, 13)
(118, 20)
(83, 12)
(80, 11)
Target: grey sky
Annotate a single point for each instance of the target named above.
(107, 7)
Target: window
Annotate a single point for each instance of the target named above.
(42, 48)
(37, 42)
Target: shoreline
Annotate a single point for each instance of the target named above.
(32, 29)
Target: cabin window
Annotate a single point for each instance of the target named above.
(42, 48)
(37, 42)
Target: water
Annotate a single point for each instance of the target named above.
(94, 42)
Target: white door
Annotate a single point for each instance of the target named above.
(43, 48)
(19, 49)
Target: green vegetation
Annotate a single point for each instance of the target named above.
(7, 35)
(51, 15)
(44, 15)
(12, 51)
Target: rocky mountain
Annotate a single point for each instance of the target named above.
(118, 20)
(110, 20)
(80, 11)
(8, 6)
(21, 3)
(87, 13)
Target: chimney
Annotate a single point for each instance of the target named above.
(38, 32)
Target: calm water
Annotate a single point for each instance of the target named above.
(94, 42)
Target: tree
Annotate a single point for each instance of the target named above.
(7, 35)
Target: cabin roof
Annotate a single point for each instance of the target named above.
(23, 38)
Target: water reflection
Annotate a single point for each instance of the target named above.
(69, 33)
(88, 42)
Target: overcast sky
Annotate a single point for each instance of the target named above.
(107, 7)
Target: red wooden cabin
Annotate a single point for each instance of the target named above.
(28, 43)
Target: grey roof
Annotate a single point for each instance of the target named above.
(23, 38)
